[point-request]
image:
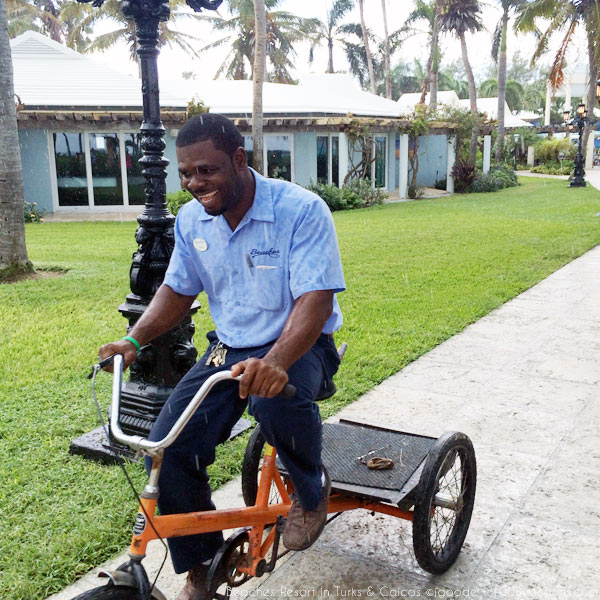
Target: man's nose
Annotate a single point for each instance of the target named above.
(196, 182)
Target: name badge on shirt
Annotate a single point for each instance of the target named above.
(200, 245)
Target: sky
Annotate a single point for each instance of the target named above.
(173, 62)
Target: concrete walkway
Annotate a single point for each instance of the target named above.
(523, 384)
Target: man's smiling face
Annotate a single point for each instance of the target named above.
(212, 176)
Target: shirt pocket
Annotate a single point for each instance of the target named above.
(268, 287)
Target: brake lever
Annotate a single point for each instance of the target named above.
(101, 365)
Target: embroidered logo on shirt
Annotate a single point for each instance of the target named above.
(271, 252)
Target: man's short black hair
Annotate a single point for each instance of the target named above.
(211, 126)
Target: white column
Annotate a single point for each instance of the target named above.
(531, 156)
(567, 87)
(487, 153)
(589, 153)
(548, 104)
(403, 179)
(343, 150)
(450, 163)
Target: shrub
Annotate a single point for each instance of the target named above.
(499, 177)
(550, 149)
(555, 168)
(33, 214)
(175, 200)
(415, 192)
(440, 184)
(357, 194)
(464, 173)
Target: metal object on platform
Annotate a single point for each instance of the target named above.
(161, 364)
(579, 123)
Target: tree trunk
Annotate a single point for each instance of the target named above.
(593, 75)
(330, 61)
(388, 78)
(472, 100)
(435, 65)
(258, 77)
(428, 84)
(367, 48)
(13, 251)
(499, 151)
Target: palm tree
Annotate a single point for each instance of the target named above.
(367, 48)
(460, 17)
(499, 56)
(427, 11)
(388, 78)
(565, 16)
(329, 30)
(37, 15)
(13, 251)
(260, 47)
(82, 18)
(514, 94)
(283, 30)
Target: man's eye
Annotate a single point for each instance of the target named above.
(184, 175)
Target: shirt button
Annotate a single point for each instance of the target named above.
(234, 272)
(239, 333)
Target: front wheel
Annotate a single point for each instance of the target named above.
(251, 469)
(113, 592)
(444, 502)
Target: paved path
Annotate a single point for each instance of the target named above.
(523, 384)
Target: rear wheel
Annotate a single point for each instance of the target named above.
(444, 503)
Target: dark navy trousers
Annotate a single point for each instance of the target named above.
(292, 426)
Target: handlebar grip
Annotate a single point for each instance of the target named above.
(288, 392)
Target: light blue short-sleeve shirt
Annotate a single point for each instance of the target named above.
(285, 246)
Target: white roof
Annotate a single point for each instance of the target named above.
(407, 102)
(490, 107)
(48, 74)
(335, 94)
(528, 115)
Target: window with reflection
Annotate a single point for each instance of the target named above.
(69, 154)
(279, 156)
(249, 148)
(335, 159)
(106, 169)
(380, 156)
(323, 159)
(135, 179)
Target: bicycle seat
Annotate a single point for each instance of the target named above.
(327, 390)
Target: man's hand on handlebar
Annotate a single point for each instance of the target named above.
(127, 349)
(260, 377)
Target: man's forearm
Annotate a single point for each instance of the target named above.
(302, 328)
(165, 311)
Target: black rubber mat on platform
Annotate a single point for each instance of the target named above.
(347, 448)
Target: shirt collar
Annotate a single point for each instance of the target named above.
(262, 205)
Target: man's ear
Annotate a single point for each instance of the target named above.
(239, 159)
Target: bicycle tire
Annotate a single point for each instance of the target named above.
(251, 465)
(440, 474)
(112, 592)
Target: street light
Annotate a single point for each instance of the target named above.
(578, 177)
(161, 364)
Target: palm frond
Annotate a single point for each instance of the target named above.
(556, 75)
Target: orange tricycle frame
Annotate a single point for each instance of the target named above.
(256, 518)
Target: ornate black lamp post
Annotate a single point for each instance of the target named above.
(162, 363)
(579, 122)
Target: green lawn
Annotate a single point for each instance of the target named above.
(416, 273)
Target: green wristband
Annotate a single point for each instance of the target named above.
(133, 341)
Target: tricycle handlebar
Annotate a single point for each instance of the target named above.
(138, 442)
